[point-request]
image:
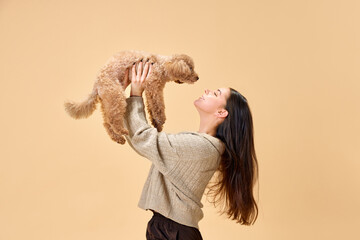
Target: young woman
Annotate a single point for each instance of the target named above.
(184, 163)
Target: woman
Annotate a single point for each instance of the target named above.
(184, 163)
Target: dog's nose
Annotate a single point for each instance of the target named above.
(197, 78)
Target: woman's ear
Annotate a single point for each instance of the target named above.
(222, 113)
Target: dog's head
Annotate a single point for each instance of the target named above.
(180, 69)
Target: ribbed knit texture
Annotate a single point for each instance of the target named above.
(182, 166)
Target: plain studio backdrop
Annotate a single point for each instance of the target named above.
(297, 63)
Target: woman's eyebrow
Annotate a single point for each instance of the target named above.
(219, 91)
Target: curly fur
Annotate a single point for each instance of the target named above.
(109, 91)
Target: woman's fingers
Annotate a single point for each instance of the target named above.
(142, 71)
(150, 69)
(144, 74)
(133, 73)
(139, 71)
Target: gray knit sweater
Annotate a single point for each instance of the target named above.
(182, 166)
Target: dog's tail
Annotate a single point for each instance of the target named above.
(83, 109)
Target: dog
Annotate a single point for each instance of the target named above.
(108, 89)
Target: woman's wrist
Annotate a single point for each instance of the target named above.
(135, 94)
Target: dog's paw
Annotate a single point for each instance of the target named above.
(159, 128)
(119, 139)
(158, 125)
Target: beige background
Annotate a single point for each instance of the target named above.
(297, 62)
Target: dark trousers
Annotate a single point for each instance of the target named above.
(160, 227)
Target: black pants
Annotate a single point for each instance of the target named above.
(160, 227)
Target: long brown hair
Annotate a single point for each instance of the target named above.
(238, 169)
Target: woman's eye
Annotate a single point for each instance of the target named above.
(215, 94)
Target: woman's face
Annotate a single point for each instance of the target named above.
(212, 100)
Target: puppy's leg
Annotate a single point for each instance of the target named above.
(156, 107)
(113, 135)
(113, 105)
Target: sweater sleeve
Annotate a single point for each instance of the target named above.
(146, 140)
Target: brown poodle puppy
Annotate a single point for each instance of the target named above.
(108, 89)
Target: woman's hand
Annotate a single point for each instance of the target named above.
(126, 81)
(138, 78)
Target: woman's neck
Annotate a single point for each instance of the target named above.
(209, 132)
(208, 126)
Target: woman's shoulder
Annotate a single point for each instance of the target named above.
(204, 138)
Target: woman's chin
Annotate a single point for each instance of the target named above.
(197, 100)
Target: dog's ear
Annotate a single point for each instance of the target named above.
(177, 67)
